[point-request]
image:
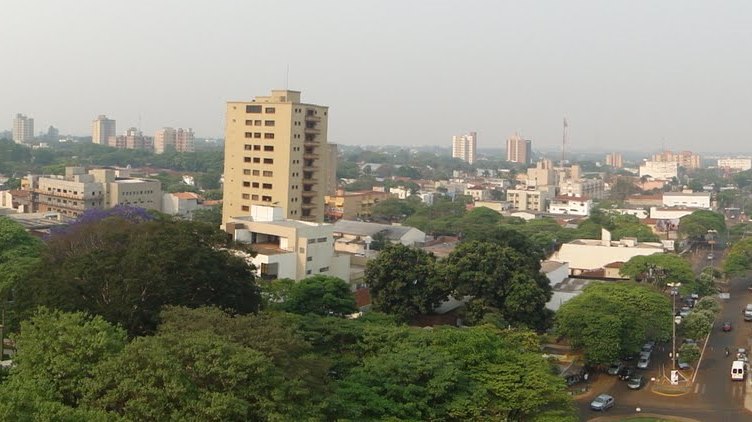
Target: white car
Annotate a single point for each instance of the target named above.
(643, 363)
(602, 402)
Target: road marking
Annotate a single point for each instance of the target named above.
(703, 389)
(697, 388)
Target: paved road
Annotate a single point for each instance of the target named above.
(713, 397)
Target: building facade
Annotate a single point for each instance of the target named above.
(23, 129)
(735, 164)
(352, 205)
(463, 147)
(276, 153)
(519, 150)
(133, 139)
(686, 159)
(164, 140)
(102, 129)
(687, 199)
(661, 170)
(615, 160)
(184, 140)
(570, 205)
(529, 199)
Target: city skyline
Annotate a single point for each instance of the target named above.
(627, 75)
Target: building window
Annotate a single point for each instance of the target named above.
(257, 122)
(246, 184)
(323, 269)
(256, 159)
(255, 172)
(246, 196)
(308, 272)
(244, 208)
(321, 239)
(266, 198)
(246, 172)
(249, 122)
(311, 241)
(309, 259)
(269, 148)
(268, 122)
(257, 147)
(246, 159)
(301, 250)
(270, 110)
(249, 134)
(253, 109)
(268, 136)
(268, 161)
(255, 184)
(247, 147)
(267, 186)
(268, 173)
(257, 135)
(254, 197)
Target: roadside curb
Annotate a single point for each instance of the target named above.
(642, 415)
(670, 393)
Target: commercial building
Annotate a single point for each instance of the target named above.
(288, 248)
(352, 205)
(615, 160)
(102, 129)
(735, 164)
(543, 174)
(570, 205)
(589, 188)
(530, 199)
(687, 199)
(661, 170)
(276, 153)
(519, 150)
(23, 129)
(686, 159)
(463, 147)
(78, 191)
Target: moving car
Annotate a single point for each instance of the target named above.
(614, 368)
(602, 402)
(635, 382)
(726, 326)
(738, 369)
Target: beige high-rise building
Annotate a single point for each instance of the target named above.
(519, 150)
(686, 159)
(276, 154)
(101, 130)
(164, 140)
(23, 129)
(615, 160)
(184, 140)
(463, 147)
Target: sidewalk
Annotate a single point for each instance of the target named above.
(597, 384)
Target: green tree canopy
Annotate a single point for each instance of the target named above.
(320, 295)
(403, 282)
(126, 271)
(610, 320)
(739, 258)
(698, 324)
(696, 225)
(659, 268)
(19, 253)
(499, 279)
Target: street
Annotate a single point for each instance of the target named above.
(713, 396)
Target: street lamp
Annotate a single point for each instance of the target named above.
(674, 322)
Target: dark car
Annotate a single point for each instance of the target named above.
(626, 373)
(635, 382)
(726, 326)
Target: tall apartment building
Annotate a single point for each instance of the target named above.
(133, 139)
(463, 147)
(276, 154)
(102, 129)
(519, 150)
(735, 164)
(686, 159)
(184, 140)
(78, 191)
(23, 129)
(171, 139)
(615, 160)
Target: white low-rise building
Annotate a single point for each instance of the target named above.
(355, 236)
(660, 213)
(288, 248)
(570, 205)
(587, 255)
(687, 199)
(180, 204)
(401, 193)
(661, 170)
(735, 164)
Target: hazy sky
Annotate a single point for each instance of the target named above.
(626, 74)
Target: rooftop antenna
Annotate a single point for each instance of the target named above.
(563, 140)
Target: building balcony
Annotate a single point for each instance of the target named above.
(311, 130)
(308, 206)
(310, 155)
(79, 196)
(309, 192)
(312, 118)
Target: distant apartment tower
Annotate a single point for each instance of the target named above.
(171, 139)
(519, 150)
(133, 139)
(615, 160)
(23, 129)
(463, 147)
(276, 154)
(735, 164)
(102, 129)
(184, 141)
(686, 159)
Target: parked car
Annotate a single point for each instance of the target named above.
(626, 373)
(643, 363)
(689, 341)
(648, 347)
(602, 402)
(726, 326)
(615, 368)
(645, 355)
(710, 257)
(685, 310)
(682, 365)
(635, 382)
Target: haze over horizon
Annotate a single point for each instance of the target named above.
(626, 74)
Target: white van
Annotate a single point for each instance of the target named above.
(737, 370)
